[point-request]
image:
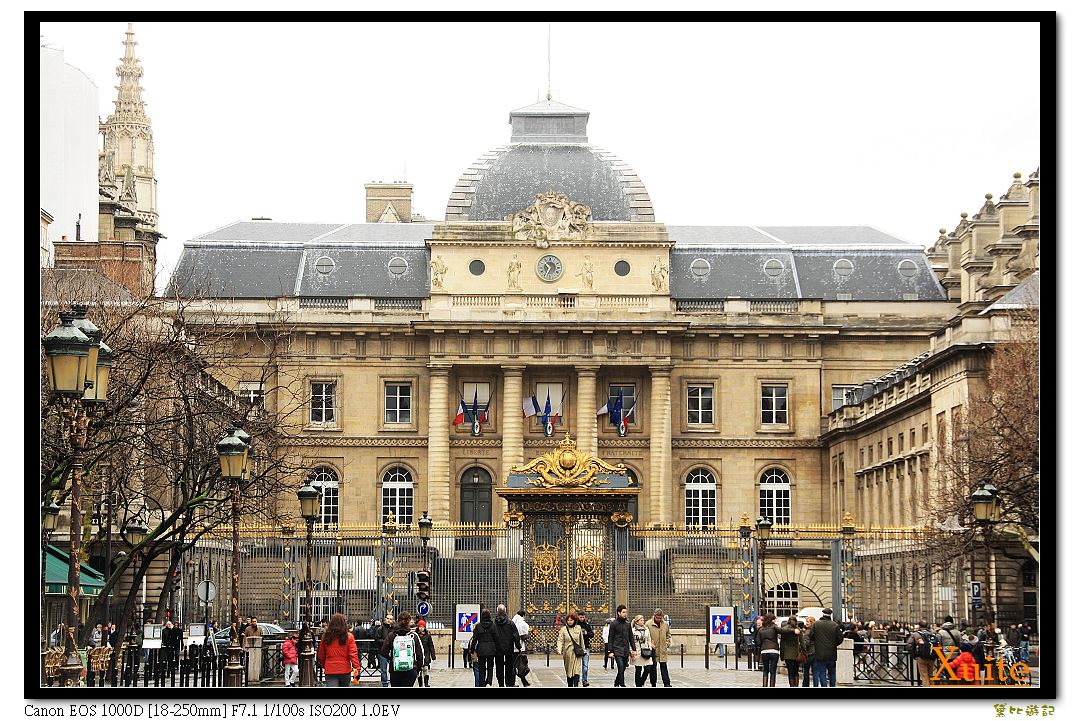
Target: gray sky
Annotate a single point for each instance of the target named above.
(899, 126)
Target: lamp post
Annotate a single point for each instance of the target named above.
(309, 497)
(77, 366)
(423, 579)
(847, 567)
(233, 454)
(987, 504)
(764, 531)
(389, 530)
(49, 519)
(135, 532)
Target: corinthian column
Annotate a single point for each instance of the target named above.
(512, 441)
(586, 413)
(438, 481)
(660, 445)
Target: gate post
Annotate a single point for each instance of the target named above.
(847, 567)
(747, 601)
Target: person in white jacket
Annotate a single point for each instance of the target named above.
(604, 635)
(521, 662)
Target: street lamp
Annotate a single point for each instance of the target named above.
(987, 504)
(233, 452)
(389, 530)
(72, 352)
(309, 510)
(764, 531)
(135, 533)
(423, 584)
(50, 518)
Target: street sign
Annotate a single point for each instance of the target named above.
(207, 591)
(423, 608)
(721, 624)
(467, 615)
(976, 603)
(976, 590)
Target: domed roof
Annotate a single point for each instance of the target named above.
(549, 151)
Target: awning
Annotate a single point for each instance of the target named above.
(91, 581)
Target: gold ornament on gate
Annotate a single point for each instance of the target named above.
(590, 566)
(567, 467)
(545, 566)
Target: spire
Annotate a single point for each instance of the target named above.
(129, 103)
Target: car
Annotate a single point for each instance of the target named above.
(272, 634)
(809, 611)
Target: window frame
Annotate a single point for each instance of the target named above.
(534, 421)
(632, 425)
(338, 406)
(702, 426)
(761, 485)
(399, 380)
(694, 496)
(401, 498)
(480, 402)
(845, 387)
(244, 388)
(787, 426)
(387, 385)
(323, 485)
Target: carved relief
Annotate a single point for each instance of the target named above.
(586, 274)
(438, 270)
(513, 274)
(567, 467)
(552, 217)
(659, 275)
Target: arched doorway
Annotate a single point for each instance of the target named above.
(475, 495)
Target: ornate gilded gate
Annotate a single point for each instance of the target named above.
(572, 511)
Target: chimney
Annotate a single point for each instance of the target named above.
(388, 202)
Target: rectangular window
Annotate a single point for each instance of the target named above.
(555, 392)
(629, 403)
(862, 458)
(323, 402)
(925, 433)
(912, 443)
(890, 447)
(399, 402)
(838, 393)
(774, 404)
(329, 505)
(699, 405)
(480, 391)
(900, 443)
(251, 393)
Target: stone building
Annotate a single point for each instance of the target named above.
(550, 284)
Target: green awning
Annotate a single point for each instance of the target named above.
(91, 581)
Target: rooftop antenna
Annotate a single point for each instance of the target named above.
(549, 62)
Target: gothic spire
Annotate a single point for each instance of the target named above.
(129, 103)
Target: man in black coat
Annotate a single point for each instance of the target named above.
(825, 637)
(171, 639)
(622, 644)
(506, 640)
(378, 638)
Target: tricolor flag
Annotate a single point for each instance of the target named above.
(558, 411)
(626, 416)
(483, 415)
(529, 406)
(460, 417)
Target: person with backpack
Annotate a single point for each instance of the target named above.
(506, 639)
(483, 642)
(337, 652)
(521, 658)
(424, 677)
(405, 651)
(921, 644)
(950, 637)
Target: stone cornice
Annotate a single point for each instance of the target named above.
(357, 441)
(746, 443)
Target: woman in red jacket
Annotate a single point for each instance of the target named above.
(337, 652)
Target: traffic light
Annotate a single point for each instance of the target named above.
(423, 585)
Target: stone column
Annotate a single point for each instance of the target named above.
(438, 480)
(512, 435)
(660, 445)
(586, 412)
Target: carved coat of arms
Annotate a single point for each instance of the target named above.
(552, 217)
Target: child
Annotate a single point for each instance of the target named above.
(423, 678)
(288, 657)
(965, 666)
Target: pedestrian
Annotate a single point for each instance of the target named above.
(1012, 636)
(485, 646)
(587, 631)
(378, 639)
(660, 639)
(114, 635)
(646, 657)
(572, 649)
(604, 638)
(1025, 642)
(623, 646)
(405, 650)
(826, 637)
(756, 647)
(790, 650)
(521, 659)
(424, 676)
(768, 643)
(465, 660)
(921, 644)
(965, 665)
(337, 652)
(506, 639)
(171, 640)
(951, 637)
(95, 636)
(808, 653)
(290, 661)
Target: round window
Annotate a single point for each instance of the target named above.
(843, 267)
(622, 268)
(397, 266)
(773, 267)
(477, 267)
(324, 264)
(907, 268)
(700, 268)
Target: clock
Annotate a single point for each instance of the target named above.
(549, 268)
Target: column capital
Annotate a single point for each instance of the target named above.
(661, 369)
(439, 368)
(513, 370)
(588, 369)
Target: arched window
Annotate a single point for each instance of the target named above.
(783, 600)
(700, 498)
(397, 495)
(326, 480)
(774, 496)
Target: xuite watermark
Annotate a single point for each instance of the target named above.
(988, 673)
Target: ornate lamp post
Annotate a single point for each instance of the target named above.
(847, 567)
(309, 497)
(987, 504)
(72, 352)
(749, 569)
(423, 579)
(389, 530)
(233, 454)
(764, 531)
(135, 533)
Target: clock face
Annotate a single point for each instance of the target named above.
(549, 268)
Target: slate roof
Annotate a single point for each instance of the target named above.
(737, 255)
(1025, 295)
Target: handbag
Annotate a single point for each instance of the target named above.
(579, 650)
(801, 658)
(646, 653)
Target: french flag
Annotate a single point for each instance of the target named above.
(529, 407)
(460, 417)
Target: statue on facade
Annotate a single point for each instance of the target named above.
(106, 174)
(438, 270)
(659, 275)
(552, 217)
(586, 274)
(128, 191)
(513, 274)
